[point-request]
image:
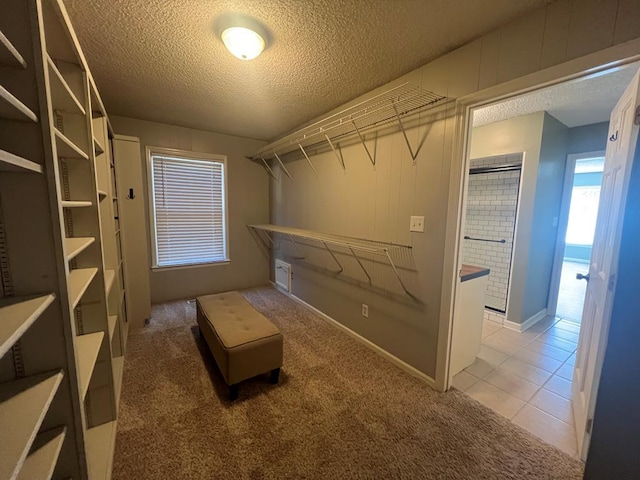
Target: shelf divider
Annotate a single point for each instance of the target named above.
(78, 281)
(74, 246)
(23, 405)
(63, 97)
(17, 314)
(87, 348)
(113, 320)
(75, 203)
(109, 277)
(42, 460)
(100, 443)
(13, 163)
(13, 109)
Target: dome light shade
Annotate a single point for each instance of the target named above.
(243, 42)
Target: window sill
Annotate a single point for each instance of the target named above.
(191, 265)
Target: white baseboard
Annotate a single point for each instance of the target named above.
(380, 351)
(528, 323)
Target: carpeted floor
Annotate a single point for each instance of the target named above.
(340, 412)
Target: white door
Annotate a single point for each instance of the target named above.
(621, 146)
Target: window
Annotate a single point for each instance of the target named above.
(189, 208)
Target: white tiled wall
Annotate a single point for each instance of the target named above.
(491, 213)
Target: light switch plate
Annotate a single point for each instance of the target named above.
(417, 224)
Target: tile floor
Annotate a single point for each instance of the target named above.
(572, 291)
(526, 377)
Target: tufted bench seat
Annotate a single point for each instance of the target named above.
(242, 341)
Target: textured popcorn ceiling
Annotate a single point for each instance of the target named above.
(160, 60)
(573, 103)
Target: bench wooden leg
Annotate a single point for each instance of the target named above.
(233, 392)
(275, 375)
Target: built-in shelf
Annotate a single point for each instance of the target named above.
(9, 55)
(87, 348)
(13, 109)
(100, 443)
(78, 282)
(23, 405)
(43, 457)
(109, 277)
(75, 203)
(13, 163)
(62, 96)
(74, 246)
(17, 314)
(102, 194)
(113, 320)
(97, 147)
(66, 148)
(118, 370)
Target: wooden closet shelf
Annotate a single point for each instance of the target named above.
(9, 55)
(78, 281)
(13, 109)
(44, 455)
(87, 349)
(13, 163)
(66, 148)
(17, 314)
(23, 405)
(75, 203)
(74, 246)
(62, 96)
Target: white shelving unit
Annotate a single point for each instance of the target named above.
(63, 326)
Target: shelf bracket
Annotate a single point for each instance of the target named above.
(282, 165)
(404, 133)
(301, 257)
(373, 160)
(336, 152)
(268, 169)
(308, 159)
(395, 271)
(361, 265)
(334, 258)
(271, 244)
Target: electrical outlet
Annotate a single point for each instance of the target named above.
(365, 310)
(416, 224)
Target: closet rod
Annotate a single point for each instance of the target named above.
(507, 167)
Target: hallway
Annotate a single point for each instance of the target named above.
(572, 291)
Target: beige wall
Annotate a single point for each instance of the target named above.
(247, 198)
(364, 202)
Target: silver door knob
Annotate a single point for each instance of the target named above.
(580, 276)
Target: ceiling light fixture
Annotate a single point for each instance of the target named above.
(245, 37)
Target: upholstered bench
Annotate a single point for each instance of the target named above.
(243, 342)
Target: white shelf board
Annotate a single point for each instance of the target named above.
(118, 370)
(13, 109)
(78, 281)
(13, 163)
(113, 320)
(109, 277)
(43, 457)
(66, 148)
(23, 405)
(97, 146)
(75, 203)
(62, 96)
(87, 348)
(9, 55)
(74, 246)
(17, 314)
(100, 443)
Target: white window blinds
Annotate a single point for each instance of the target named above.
(190, 210)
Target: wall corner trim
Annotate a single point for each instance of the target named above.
(414, 372)
(528, 323)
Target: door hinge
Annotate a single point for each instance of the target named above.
(636, 120)
(589, 426)
(612, 283)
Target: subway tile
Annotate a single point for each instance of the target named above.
(497, 400)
